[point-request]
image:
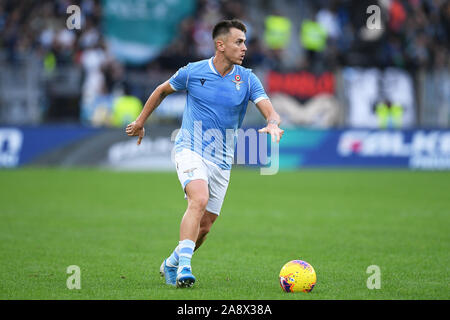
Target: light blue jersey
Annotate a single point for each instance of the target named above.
(215, 108)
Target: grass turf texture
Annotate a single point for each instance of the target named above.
(118, 226)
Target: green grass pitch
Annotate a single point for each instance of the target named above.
(118, 226)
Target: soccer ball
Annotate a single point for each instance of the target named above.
(297, 276)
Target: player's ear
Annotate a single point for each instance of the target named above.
(220, 45)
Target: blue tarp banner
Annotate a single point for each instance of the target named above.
(137, 30)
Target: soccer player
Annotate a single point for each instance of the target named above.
(218, 91)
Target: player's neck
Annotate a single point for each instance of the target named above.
(222, 65)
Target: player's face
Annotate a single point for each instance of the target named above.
(234, 45)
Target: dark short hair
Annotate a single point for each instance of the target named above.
(224, 26)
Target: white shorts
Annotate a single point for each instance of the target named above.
(191, 166)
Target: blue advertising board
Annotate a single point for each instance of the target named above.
(299, 148)
(21, 145)
(414, 149)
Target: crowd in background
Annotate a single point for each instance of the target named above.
(414, 34)
(39, 27)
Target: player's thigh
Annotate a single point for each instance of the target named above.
(197, 193)
(190, 168)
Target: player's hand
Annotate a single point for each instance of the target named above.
(135, 129)
(274, 131)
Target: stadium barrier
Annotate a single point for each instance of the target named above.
(409, 149)
(60, 145)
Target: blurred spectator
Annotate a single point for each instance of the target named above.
(389, 115)
(126, 108)
(93, 60)
(90, 35)
(328, 19)
(313, 38)
(277, 33)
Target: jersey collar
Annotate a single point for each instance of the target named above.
(213, 69)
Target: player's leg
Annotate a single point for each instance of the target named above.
(218, 184)
(205, 226)
(191, 173)
(197, 194)
(206, 223)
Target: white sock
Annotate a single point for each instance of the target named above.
(186, 251)
(172, 260)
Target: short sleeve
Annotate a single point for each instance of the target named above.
(257, 92)
(180, 79)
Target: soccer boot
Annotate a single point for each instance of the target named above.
(185, 278)
(169, 273)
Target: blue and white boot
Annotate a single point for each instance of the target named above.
(185, 278)
(168, 272)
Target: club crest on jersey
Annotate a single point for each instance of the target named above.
(237, 81)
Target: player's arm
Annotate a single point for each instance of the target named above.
(273, 119)
(136, 128)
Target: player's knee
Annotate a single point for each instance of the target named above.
(199, 203)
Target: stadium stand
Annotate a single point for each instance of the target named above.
(53, 74)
